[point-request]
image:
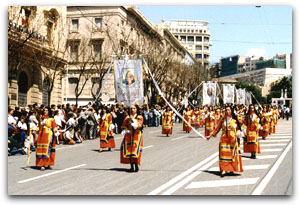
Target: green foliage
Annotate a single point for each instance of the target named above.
(284, 83)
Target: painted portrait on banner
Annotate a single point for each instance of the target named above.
(128, 77)
(129, 81)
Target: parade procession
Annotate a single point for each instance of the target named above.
(127, 122)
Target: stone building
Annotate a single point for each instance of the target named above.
(36, 58)
(97, 33)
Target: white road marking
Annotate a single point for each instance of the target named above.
(180, 137)
(49, 174)
(190, 177)
(182, 175)
(270, 150)
(266, 141)
(281, 137)
(148, 147)
(249, 167)
(273, 145)
(262, 157)
(259, 189)
(222, 183)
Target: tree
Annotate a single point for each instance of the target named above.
(284, 84)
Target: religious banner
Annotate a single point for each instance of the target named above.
(248, 98)
(228, 93)
(129, 81)
(240, 96)
(209, 93)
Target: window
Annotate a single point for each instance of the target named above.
(75, 25)
(206, 48)
(198, 56)
(97, 45)
(50, 32)
(74, 52)
(96, 85)
(176, 36)
(206, 39)
(72, 85)
(98, 22)
(198, 48)
(190, 47)
(183, 38)
(190, 38)
(198, 39)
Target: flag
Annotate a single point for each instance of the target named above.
(129, 81)
(240, 96)
(228, 93)
(209, 93)
(248, 98)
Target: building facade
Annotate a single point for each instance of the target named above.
(195, 37)
(36, 58)
(97, 33)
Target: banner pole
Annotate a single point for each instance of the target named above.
(160, 93)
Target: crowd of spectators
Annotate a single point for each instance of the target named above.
(76, 123)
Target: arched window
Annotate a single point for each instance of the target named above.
(46, 85)
(22, 89)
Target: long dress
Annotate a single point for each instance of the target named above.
(188, 117)
(209, 124)
(230, 158)
(132, 143)
(196, 121)
(106, 136)
(272, 122)
(45, 151)
(167, 123)
(264, 132)
(251, 142)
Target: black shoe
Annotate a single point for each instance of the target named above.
(136, 168)
(222, 174)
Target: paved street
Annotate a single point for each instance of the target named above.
(182, 164)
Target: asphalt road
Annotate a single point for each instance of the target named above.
(182, 164)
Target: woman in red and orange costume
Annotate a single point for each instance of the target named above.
(106, 130)
(167, 122)
(251, 143)
(188, 114)
(264, 116)
(230, 158)
(132, 144)
(209, 121)
(46, 140)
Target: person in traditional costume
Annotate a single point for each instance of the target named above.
(167, 122)
(264, 117)
(218, 116)
(132, 143)
(46, 141)
(230, 158)
(209, 121)
(251, 142)
(188, 114)
(202, 116)
(196, 118)
(106, 130)
(272, 121)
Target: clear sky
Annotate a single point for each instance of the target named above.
(235, 30)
